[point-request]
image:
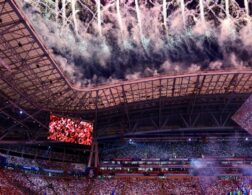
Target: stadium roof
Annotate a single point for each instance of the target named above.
(31, 77)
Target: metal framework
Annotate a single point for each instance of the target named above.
(30, 79)
(206, 115)
(30, 76)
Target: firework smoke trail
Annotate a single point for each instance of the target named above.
(246, 4)
(227, 8)
(56, 11)
(182, 7)
(139, 19)
(64, 13)
(246, 7)
(119, 16)
(164, 14)
(74, 12)
(98, 4)
(202, 14)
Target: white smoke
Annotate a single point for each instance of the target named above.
(216, 65)
(238, 64)
(246, 170)
(194, 68)
(130, 48)
(204, 167)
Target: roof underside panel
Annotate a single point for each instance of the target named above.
(26, 67)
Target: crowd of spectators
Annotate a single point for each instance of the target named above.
(40, 184)
(70, 130)
(154, 186)
(188, 149)
(19, 162)
(229, 186)
(183, 186)
(7, 187)
(18, 182)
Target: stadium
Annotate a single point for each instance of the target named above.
(125, 97)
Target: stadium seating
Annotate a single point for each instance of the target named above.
(17, 182)
(165, 150)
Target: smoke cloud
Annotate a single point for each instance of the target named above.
(127, 40)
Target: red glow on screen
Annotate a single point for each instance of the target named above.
(70, 130)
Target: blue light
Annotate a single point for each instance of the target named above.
(131, 141)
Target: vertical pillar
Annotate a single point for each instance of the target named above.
(96, 155)
(91, 155)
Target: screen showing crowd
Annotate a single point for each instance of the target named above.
(70, 130)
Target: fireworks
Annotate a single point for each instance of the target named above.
(115, 40)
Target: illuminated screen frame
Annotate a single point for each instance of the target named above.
(70, 130)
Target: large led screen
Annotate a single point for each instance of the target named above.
(70, 130)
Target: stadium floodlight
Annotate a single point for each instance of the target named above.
(131, 141)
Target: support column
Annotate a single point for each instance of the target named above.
(91, 156)
(93, 160)
(96, 155)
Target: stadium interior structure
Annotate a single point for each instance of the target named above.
(153, 133)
